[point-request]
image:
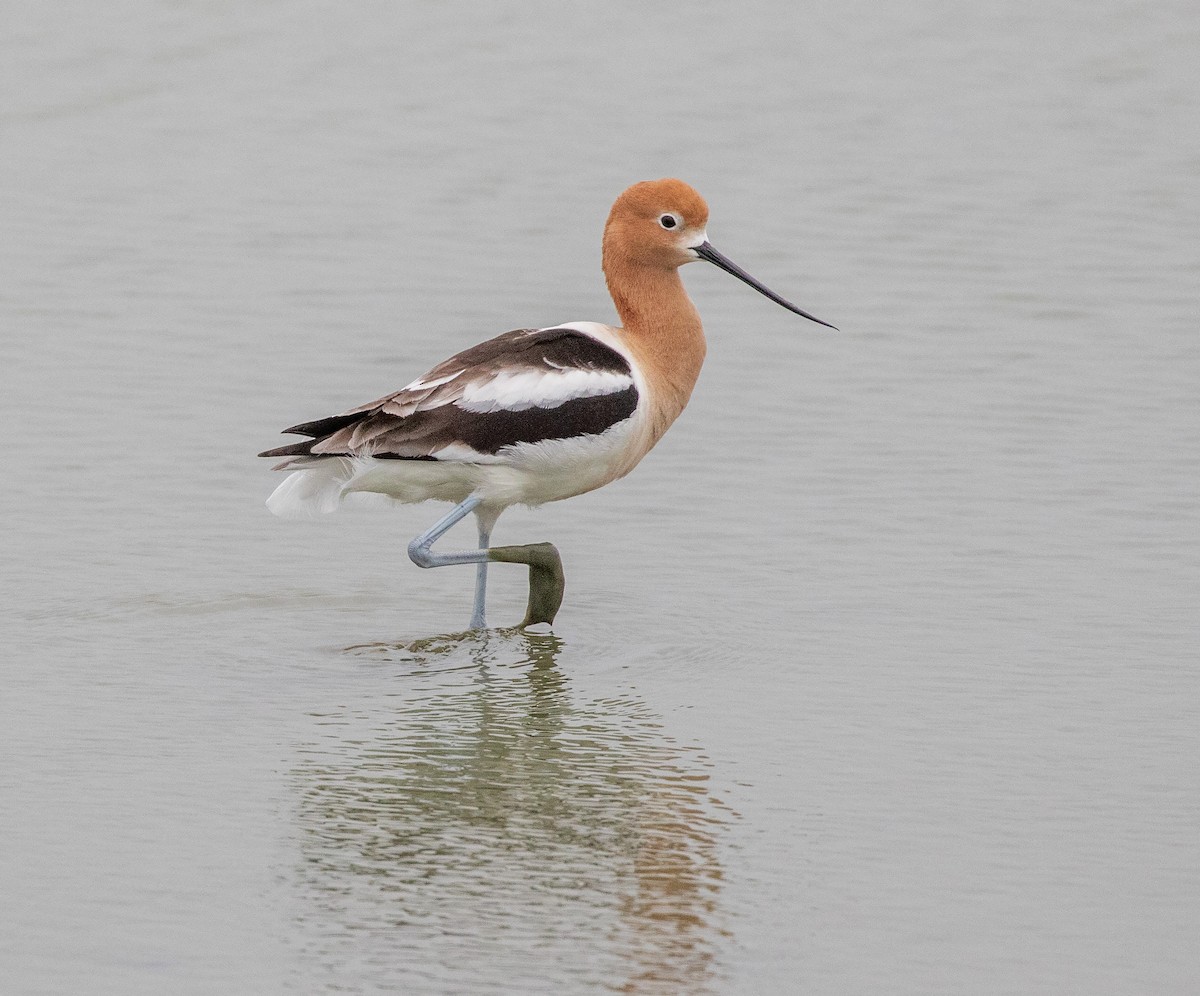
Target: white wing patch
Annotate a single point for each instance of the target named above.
(463, 453)
(526, 389)
(425, 385)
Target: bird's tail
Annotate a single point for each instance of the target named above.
(313, 488)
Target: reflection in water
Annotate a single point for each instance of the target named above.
(479, 830)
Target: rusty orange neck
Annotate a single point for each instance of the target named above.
(662, 329)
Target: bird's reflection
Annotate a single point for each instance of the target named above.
(482, 829)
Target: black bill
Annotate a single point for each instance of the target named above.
(706, 251)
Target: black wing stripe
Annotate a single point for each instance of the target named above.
(491, 432)
(534, 349)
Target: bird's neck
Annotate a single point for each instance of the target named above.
(662, 328)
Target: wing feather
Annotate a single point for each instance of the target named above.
(523, 386)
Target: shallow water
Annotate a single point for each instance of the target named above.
(879, 675)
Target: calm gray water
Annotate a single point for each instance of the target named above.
(878, 676)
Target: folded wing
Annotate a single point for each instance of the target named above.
(525, 386)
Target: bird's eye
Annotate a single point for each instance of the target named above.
(668, 221)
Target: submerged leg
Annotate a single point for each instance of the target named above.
(546, 581)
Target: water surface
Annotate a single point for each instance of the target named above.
(879, 675)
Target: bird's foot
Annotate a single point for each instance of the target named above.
(546, 579)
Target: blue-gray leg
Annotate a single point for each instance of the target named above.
(419, 549)
(421, 553)
(477, 620)
(546, 582)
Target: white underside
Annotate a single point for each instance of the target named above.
(525, 474)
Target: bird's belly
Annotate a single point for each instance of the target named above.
(522, 474)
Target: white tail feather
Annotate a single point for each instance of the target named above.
(313, 491)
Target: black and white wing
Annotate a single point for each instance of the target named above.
(525, 386)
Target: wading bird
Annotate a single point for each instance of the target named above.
(533, 415)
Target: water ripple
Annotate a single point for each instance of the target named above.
(494, 811)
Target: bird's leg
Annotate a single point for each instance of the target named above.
(546, 582)
(477, 616)
(421, 553)
(419, 549)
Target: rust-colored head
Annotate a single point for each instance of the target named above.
(654, 228)
(654, 224)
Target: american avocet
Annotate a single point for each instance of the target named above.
(533, 415)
